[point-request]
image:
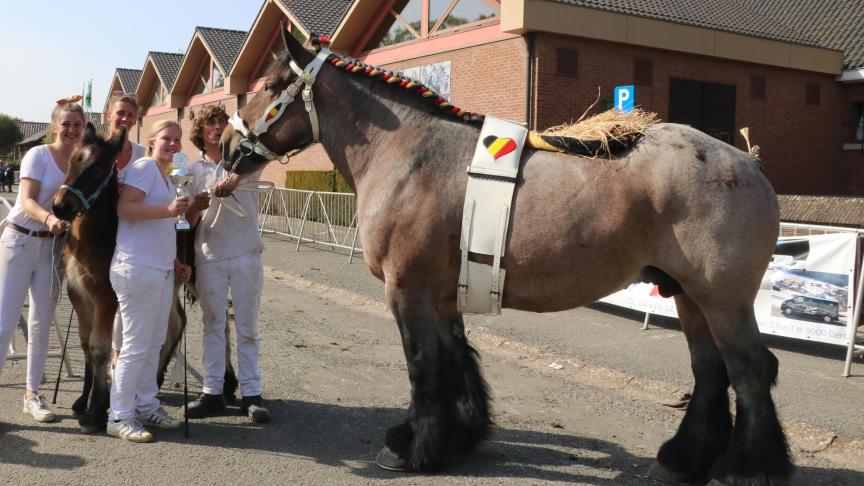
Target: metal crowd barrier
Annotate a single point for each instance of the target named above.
(326, 219)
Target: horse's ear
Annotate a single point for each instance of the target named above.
(117, 142)
(295, 49)
(90, 135)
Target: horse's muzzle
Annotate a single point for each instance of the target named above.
(244, 159)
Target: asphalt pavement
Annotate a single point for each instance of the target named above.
(335, 378)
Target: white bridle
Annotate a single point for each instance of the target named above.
(305, 79)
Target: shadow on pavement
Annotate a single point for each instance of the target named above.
(15, 449)
(345, 436)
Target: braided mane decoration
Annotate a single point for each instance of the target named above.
(603, 135)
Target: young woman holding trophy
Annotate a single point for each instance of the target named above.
(142, 274)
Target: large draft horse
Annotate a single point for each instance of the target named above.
(87, 258)
(678, 207)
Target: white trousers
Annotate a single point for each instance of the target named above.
(144, 294)
(244, 276)
(26, 263)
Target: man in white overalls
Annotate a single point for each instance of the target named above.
(228, 255)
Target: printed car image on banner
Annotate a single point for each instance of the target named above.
(806, 292)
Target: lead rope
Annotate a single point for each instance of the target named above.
(56, 295)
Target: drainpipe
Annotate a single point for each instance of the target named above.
(529, 84)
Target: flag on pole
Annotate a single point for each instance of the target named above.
(88, 97)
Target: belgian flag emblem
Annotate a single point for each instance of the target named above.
(273, 112)
(499, 147)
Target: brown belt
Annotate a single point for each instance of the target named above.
(21, 229)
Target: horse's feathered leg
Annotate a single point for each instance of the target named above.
(467, 394)
(758, 454)
(449, 410)
(705, 431)
(419, 444)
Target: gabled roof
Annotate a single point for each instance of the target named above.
(734, 16)
(167, 66)
(826, 210)
(28, 129)
(319, 17)
(836, 24)
(128, 79)
(224, 44)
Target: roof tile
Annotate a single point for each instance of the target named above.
(827, 210)
(224, 44)
(320, 17)
(129, 79)
(832, 24)
(168, 65)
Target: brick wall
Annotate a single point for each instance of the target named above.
(851, 172)
(148, 121)
(801, 143)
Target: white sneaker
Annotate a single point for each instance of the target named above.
(37, 408)
(129, 429)
(159, 419)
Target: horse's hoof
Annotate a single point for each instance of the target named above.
(90, 429)
(716, 482)
(664, 474)
(389, 460)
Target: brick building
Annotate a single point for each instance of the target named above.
(792, 70)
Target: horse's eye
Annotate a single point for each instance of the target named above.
(268, 86)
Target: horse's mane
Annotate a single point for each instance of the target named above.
(606, 134)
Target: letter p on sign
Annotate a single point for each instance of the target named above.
(624, 98)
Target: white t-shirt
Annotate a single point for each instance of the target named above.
(148, 242)
(222, 234)
(138, 152)
(39, 165)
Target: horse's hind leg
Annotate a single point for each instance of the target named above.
(705, 431)
(758, 453)
(449, 399)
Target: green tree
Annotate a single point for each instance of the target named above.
(10, 134)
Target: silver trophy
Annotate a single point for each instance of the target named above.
(181, 176)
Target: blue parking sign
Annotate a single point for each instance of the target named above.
(625, 97)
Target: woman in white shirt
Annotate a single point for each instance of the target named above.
(142, 274)
(26, 250)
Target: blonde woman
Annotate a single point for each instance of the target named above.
(26, 250)
(142, 274)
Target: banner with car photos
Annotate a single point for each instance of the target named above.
(806, 293)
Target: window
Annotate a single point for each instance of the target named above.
(859, 126)
(643, 72)
(405, 21)
(708, 107)
(813, 94)
(566, 62)
(209, 79)
(159, 96)
(758, 87)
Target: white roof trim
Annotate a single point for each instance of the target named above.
(851, 76)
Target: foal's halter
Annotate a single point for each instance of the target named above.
(251, 144)
(86, 202)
